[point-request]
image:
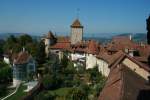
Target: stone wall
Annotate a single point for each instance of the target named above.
(133, 66)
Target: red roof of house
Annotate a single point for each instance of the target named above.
(144, 50)
(110, 59)
(93, 47)
(63, 39)
(124, 84)
(76, 24)
(61, 45)
(22, 57)
(121, 43)
(79, 47)
(123, 56)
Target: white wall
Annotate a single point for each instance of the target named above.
(75, 56)
(6, 60)
(90, 61)
(103, 67)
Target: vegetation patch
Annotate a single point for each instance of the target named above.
(19, 94)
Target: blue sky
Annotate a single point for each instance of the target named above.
(97, 16)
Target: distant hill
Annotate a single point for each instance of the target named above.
(4, 36)
(137, 37)
(101, 37)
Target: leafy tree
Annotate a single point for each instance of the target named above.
(3, 90)
(5, 73)
(51, 81)
(45, 96)
(12, 39)
(148, 29)
(94, 74)
(76, 94)
(64, 61)
(2, 42)
(40, 54)
(25, 39)
(32, 48)
(11, 43)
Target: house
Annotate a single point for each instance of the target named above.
(123, 43)
(127, 80)
(92, 51)
(49, 39)
(77, 53)
(23, 67)
(105, 60)
(62, 44)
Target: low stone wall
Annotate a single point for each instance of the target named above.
(34, 91)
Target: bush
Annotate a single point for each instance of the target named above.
(3, 90)
(45, 96)
(51, 82)
(77, 94)
(5, 73)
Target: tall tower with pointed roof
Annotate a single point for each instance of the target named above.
(49, 40)
(76, 32)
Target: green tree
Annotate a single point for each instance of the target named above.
(45, 96)
(2, 42)
(3, 90)
(25, 39)
(32, 48)
(11, 43)
(94, 74)
(5, 73)
(40, 54)
(148, 30)
(51, 82)
(76, 94)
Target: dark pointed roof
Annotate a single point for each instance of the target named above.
(50, 35)
(76, 24)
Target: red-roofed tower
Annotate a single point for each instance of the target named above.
(76, 32)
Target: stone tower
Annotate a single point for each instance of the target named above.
(76, 32)
(49, 40)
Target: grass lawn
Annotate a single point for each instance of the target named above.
(61, 92)
(19, 93)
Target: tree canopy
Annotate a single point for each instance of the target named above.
(148, 30)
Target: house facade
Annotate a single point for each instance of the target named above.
(24, 66)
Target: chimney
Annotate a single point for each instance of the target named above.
(130, 37)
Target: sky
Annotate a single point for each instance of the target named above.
(97, 16)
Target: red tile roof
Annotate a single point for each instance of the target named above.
(63, 39)
(121, 43)
(144, 50)
(93, 47)
(61, 45)
(124, 84)
(79, 47)
(22, 58)
(110, 59)
(123, 56)
(76, 24)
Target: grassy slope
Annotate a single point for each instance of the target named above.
(19, 93)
